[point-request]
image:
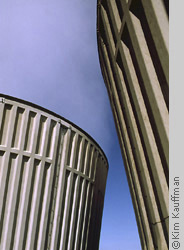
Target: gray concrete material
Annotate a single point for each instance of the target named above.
(151, 147)
(116, 21)
(138, 99)
(145, 180)
(135, 188)
(150, 81)
(140, 111)
(123, 95)
(166, 146)
(48, 194)
(159, 26)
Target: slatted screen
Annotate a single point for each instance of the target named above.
(48, 181)
(133, 52)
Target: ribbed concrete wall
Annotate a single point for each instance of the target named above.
(52, 181)
(133, 52)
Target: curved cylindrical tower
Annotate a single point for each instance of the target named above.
(133, 51)
(52, 181)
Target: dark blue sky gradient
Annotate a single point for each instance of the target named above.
(48, 55)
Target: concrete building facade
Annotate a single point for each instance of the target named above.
(52, 181)
(132, 40)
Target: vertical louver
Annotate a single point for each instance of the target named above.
(133, 52)
(49, 180)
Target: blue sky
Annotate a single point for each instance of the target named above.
(48, 55)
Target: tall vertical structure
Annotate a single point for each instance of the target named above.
(133, 50)
(52, 181)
